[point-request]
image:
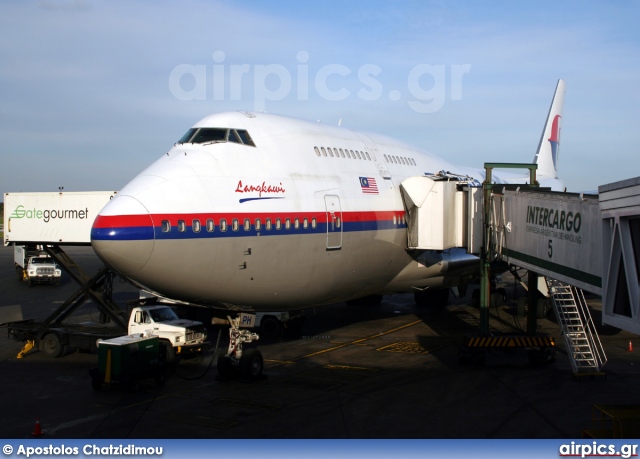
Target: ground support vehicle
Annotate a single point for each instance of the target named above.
(272, 324)
(126, 360)
(176, 336)
(35, 266)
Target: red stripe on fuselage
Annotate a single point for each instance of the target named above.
(120, 221)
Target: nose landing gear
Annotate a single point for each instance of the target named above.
(248, 364)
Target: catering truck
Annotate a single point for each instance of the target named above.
(35, 266)
(52, 218)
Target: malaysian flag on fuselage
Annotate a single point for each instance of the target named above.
(368, 185)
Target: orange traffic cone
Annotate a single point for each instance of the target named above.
(630, 348)
(36, 430)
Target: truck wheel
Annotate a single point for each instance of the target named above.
(251, 364)
(168, 352)
(51, 345)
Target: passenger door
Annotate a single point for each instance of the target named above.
(334, 222)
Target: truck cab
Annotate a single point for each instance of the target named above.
(178, 336)
(35, 266)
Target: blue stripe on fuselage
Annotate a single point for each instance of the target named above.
(146, 233)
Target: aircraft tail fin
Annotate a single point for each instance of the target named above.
(547, 155)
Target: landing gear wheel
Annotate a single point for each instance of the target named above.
(51, 345)
(251, 364)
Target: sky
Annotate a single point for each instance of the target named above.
(92, 91)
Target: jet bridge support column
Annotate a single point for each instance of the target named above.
(487, 251)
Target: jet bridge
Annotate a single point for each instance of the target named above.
(578, 242)
(591, 242)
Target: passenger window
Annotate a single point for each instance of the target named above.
(314, 223)
(305, 223)
(166, 226)
(324, 152)
(211, 226)
(353, 155)
(195, 225)
(330, 151)
(348, 155)
(247, 224)
(386, 160)
(287, 223)
(338, 222)
(267, 224)
(296, 223)
(181, 226)
(223, 225)
(258, 224)
(278, 224)
(317, 151)
(235, 224)
(394, 220)
(368, 157)
(246, 138)
(358, 154)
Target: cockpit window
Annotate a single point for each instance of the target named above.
(185, 138)
(246, 138)
(208, 135)
(233, 137)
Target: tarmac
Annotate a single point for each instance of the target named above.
(358, 372)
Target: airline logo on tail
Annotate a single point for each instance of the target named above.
(554, 140)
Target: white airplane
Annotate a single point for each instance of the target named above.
(258, 212)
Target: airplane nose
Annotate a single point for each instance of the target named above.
(122, 235)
